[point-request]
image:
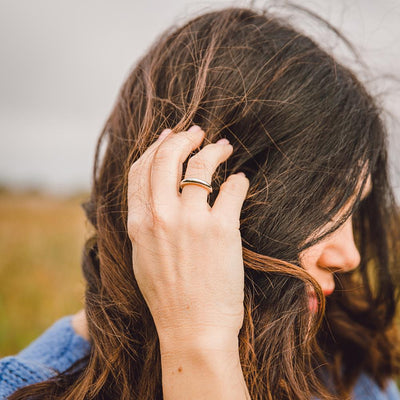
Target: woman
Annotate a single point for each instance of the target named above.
(280, 284)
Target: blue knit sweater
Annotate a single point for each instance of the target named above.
(59, 347)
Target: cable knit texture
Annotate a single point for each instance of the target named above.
(52, 352)
(59, 347)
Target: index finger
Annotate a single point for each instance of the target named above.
(139, 178)
(166, 168)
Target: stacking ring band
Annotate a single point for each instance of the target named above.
(195, 181)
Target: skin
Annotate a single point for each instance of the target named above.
(79, 324)
(196, 297)
(337, 253)
(191, 292)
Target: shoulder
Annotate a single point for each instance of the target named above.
(366, 388)
(57, 347)
(55, 350)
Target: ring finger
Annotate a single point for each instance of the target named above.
(202, 166)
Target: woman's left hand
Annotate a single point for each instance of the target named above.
(187, 256)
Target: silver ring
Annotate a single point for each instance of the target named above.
(195, 181)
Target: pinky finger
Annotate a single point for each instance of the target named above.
(231, 196)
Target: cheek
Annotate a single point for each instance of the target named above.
(309, 261)
(309, 258)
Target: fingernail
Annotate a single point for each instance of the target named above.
(241, 173)
(194, 128)
(223, 141)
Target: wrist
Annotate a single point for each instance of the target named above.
(202, 356)
(197, 370)
(199, 344)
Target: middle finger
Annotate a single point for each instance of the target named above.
(202, 166)
(166, 167)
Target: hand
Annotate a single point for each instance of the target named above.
(187, 257)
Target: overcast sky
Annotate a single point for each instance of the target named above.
(63, 62)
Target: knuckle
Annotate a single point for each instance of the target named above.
(132, 227)
(189, 139)
(197, 162)
(193, 222)
(162, 154)
(232, 184)
(161, 221)
(223, 226)
(222, 230)
(217, 228)
(136, 221)
(134, 166)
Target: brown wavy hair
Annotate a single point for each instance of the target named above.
(304, 130)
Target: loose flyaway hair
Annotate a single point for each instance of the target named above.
(306, 132)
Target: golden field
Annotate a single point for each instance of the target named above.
(41, 240)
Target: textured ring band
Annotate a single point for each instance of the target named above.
(195, 181)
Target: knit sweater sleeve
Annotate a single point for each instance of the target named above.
(367, 389)
(55, 350)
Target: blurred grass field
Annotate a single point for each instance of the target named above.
(41, 240)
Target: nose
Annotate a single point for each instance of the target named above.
(340, 253)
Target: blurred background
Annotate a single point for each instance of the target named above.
(62, 64)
